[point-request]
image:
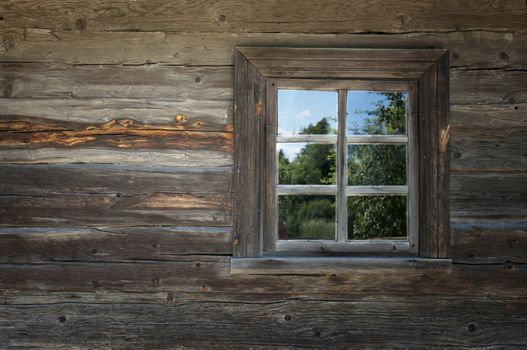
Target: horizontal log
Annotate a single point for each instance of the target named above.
(488, 86)
(483, 196)
(158, 82)
(365, 323)
(329, 16)
(160, 158)
(184, 115)
(488, 149)
(114, 209)
(493, 116)
(43, 179)
(327, 265)
(212, 112)
(474, 49)
(489, 242)
(116, 133)
(30, 244)
(211, 274)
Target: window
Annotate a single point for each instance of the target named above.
(341, 151)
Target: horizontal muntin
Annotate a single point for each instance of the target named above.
(350, 139)
(333, 190)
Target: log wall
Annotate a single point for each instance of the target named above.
(116, 179)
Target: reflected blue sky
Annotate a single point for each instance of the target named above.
(297, 109)
(358, 104)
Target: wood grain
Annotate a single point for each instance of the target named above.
(116, 133)
(129, 247)
(488, 86)
(158, 82)
(34, 244)
(114, 209)
(186, 114)
(484, 196)
(211, 274)
(369, 323)
(330, 16)
(489, 242)
(156, 158)
(47, 179)
(469, 49)
(489, 149)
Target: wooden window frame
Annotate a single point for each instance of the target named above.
(258, 73)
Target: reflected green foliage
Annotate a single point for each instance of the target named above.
(314, 165)
(313, 217)
(307, 217)
(388, 118)
(379, 216)
(376, 165)
(376, 217)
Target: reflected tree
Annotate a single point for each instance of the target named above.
(313, 217)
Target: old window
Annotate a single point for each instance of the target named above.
(341, 151)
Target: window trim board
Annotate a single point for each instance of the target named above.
(253, 81)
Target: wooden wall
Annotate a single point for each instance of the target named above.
(116, 164)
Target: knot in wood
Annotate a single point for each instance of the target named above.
(81, 24)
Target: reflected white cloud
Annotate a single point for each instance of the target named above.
(290, 150)
(297, 109)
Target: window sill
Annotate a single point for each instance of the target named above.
(329, 265)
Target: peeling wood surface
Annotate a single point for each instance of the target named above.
(116, 133)
(187, 114)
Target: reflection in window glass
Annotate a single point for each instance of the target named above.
(307, 112)
(306, 217)
(376, 113)
(377, 217)
(306, 164)
(376, 165)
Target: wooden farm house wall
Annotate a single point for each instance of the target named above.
(116, 167)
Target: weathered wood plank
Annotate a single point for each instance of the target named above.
(488, 86)
(330, 16)
(486, 196)
(23, 244)
(160, 158)
(186, 114)
(489, 242)
(327, 265)
(44, 179)
(158, 82)
(248, 157)
(369, 323)
(488, 149)
(212, 274)
(114, 209)
(474, 49)
(492, 116)
(116, 133)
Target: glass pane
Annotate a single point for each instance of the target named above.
(307, 112)
(377, 217)
(376, 113)
(376, 165)
(306, 217)
(306, 164)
